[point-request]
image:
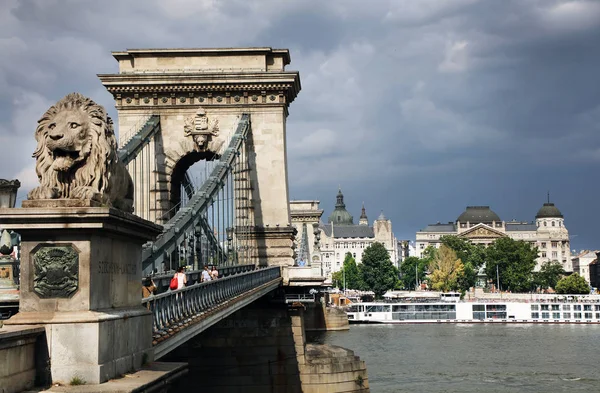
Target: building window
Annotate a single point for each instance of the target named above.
(566, 307)
(543, 244)
(535, 315)
(543, 254)
(535, 307)
(567, 315)
(552, 223)
(545, 315)
(577, 307)
(587, 307)
(545, 307)
(554, 244)
(422, 246)
(354, 254)
(598, 315)
(545, 223)
(554, 254)
(560, 224)
(555, 315)
(577, 315)
(555, 307)
(588, 315)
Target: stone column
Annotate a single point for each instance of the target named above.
(81, 278)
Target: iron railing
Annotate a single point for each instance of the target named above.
(163, 280)
(174, 309)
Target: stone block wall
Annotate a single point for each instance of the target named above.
(317, 317)
(251, 351)
(262, 348)
(332, 369)
(22, 360)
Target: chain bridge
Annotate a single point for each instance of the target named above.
(203, 135)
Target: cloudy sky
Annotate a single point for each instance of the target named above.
(416, 107)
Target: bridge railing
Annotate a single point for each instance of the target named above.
(162, 280)
(175, 309)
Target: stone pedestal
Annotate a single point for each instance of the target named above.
(81, 278)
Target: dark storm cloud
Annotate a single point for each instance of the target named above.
(415, 107)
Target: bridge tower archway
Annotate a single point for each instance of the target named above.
(213, 87)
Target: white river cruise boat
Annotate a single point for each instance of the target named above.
(448, 308)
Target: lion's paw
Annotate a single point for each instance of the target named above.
(42, 192)
(85, 193)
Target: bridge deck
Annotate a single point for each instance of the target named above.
(180, 315)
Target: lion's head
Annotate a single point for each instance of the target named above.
(76, 146)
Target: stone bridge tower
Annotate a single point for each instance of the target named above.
(206, 90)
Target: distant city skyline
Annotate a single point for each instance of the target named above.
(417, 108)
(374, 212)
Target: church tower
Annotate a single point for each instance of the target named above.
(363, 217)
(340, 215)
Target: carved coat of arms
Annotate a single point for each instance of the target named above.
(200, 129)
(56, 272)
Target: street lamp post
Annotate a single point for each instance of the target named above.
(344, 276)
(416, 276)
(9, 265)
(8, 193)
(497, 278)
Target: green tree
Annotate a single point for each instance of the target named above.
(412, 269)
(514, 261)
(573, 285)
(428, 254)
(351, 273)
(377, 271)
(446, 269)
(467, 252)
(471, 255)
(549, 274)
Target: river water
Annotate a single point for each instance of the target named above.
(475, 357)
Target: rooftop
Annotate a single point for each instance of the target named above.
(478, 214)
(348, 231)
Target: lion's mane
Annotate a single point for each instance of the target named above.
(100, 171)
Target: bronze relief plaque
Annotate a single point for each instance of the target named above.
(55, 271)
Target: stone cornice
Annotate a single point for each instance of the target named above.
(286, 83)
(308, 213)
(169, 52)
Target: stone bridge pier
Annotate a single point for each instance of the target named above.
(263, 348)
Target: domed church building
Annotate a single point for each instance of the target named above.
(481, 225)
(340, 235)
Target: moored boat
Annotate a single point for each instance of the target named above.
(448, 308)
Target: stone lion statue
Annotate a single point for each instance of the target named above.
(76, 155)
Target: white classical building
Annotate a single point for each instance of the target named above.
(480, 225)
(581, 263)
(340, 236)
